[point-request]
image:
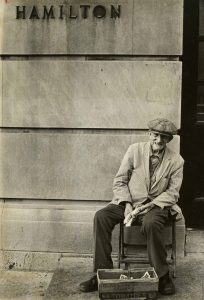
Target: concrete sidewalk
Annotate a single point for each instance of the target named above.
(63, 283)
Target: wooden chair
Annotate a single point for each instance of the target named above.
(130, 238)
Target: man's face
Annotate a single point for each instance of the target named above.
(158, 141)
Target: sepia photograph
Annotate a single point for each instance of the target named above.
(101, 149)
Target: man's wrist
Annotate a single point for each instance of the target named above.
(128, 205)
(125, 203)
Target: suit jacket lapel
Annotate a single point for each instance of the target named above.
(164, 165)
(146, 164)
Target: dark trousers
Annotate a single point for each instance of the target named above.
(152, 225)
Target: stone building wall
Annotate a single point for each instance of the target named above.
(78, 83)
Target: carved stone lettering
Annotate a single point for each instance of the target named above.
(115, 13)
(71, 14)
(83, 11)
(48, 13)
(34, 14)
(20, 12)
(99, 11)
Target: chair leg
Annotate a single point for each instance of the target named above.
(120, 245)
(122, 240)
(174, 247)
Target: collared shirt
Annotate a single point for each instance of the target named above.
(155, 161)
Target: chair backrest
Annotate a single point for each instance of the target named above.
(133, 235)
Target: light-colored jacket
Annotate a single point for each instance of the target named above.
(132, 182)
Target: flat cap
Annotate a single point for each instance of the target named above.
(162, 126)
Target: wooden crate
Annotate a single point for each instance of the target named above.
(110, 286)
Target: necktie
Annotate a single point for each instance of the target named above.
(154, 162)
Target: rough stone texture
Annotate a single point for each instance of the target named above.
(55, 165)
(195, 241)
(1, 92)
(51, 228)
(35, 261)
(66, 228)
(181, 238)
(164, 36)
(93, 94)
(1, 213)
(64, 283)
(85, 36)
(153, 22)
(191, 264)
(49, 236)
(23, 285)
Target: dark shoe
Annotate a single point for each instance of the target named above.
(166, 285)
(90, 285)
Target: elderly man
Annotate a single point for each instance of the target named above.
(146, 187)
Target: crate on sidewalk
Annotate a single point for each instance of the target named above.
(138, 283)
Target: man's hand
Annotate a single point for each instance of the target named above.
(128, 212)
(139, 210)
(128, 209)
(145, 208)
